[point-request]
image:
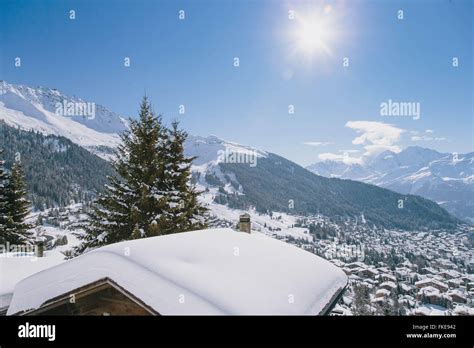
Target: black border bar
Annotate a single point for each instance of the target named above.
(261, 330)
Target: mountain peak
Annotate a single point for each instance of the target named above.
(43, 103)
(419, 149)
(50, 111)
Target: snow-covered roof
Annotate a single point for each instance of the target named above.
(450, 272)
(457, 292)
(389, 284)
(214, 271)
(384, 292)
(388, 276)
(430, 309)
(372, 270)
(405, 287)
(357, 264)
(463, 310)
(17, 266)
(427, 281)
(429, 291)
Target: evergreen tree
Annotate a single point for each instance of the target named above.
(397, 307)
(184, 211)
(361, 303)
(142, 199)
(18, 207)
(3, 201)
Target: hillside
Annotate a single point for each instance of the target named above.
(275, 181)
(57, 170)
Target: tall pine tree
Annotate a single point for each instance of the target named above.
(17, 207)
(139, 201)
(184, 211)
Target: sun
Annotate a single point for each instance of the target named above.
(312, 36)
(312, 33)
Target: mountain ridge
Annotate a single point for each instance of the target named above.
(51, 112)
(219, 167)
(445, 178)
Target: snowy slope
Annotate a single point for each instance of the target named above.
(217, 271)
(415, 170)
(211, 151)
(37, 109)
(278, 224)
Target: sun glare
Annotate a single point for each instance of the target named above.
(312, 36)
(312, 33)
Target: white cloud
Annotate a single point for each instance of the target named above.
(317, 143)
(427, 135)
(426, 138)
(339, 158)
(376, 137)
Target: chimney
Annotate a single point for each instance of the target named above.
(244, 223)
(39, 248)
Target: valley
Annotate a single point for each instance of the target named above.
(397, 227)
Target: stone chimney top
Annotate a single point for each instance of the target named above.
(39, 248)
(244, 223)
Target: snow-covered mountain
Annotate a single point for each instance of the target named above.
(92, 125)
(243, 177)
(212, 149)
(445, 178)
(227, 171)
(49, 111)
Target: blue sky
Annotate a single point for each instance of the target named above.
(191, 62)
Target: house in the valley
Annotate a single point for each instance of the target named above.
(430, 294)
(457, 296)
(382, 293)
(430, 309)
(386, 277)
(441, 286)
(388, 285)
(455, 283)
(215, 271)
(404, 274)
(449, 274)
(463, 310)
(429, 270)
(368, 273)
(406, 288)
